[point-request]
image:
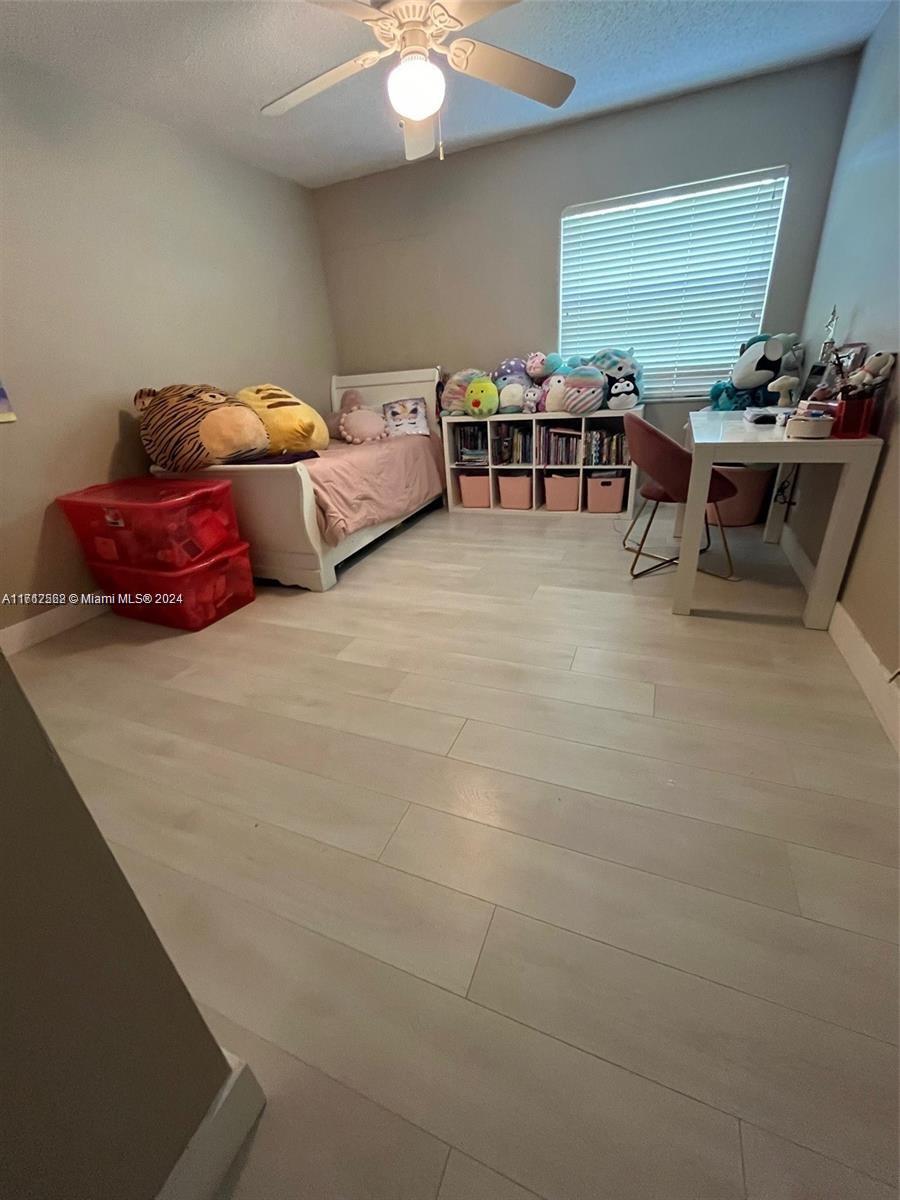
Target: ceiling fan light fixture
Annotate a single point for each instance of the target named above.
(416, 87)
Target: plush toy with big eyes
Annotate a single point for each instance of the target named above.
(482, 397)
(453, 397)
(512, 396)
(585, 390)
(510, 368)
(623, 393)
(553, 392)
(531, 398)
(536, 366)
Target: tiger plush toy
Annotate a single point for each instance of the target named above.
(186, 427)
(292, 426)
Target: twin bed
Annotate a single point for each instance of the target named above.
(303, 519)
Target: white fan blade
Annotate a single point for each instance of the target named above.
(358, 9)
(467, 12)
(336, 75)
(418, 138)
(510, 71)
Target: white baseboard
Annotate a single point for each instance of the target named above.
(47, 625)
(804, 568)
(871, 675)
(219, 1136)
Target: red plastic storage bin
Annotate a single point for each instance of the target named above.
(515, 489)
(157, 524)
(475, 490)
(605, 493)
(189, 599)
(561, 492)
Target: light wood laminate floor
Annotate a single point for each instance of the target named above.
(508, 882)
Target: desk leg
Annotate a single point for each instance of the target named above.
(777, 512)
(846, 512)
(692, 533)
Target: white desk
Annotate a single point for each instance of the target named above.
(725, 437)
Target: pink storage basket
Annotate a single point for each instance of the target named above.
(475, 490)
(752, 483)
(605, 493)
(561, 492)
(515, 490)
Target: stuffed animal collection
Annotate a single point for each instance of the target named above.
(546, 383)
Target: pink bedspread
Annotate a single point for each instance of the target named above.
(356, 486)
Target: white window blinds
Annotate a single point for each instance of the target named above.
(680, 276)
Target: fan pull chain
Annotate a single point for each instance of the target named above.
(440, 137)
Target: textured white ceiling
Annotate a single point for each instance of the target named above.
(208, 67)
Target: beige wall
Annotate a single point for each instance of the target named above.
(108, 1067)
(130, 257)
(858, 271)
(456, 262)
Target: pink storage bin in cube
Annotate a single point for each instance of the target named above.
(605, 493)
(515, 489)
(561, 491)
(475, 489)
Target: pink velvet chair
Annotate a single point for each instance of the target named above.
(668, 467)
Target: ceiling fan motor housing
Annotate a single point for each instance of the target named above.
(413, 24)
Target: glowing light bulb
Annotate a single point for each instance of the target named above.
(416, 88)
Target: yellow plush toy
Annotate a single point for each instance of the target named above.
(291, 424)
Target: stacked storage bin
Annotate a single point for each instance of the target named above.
(166, 551)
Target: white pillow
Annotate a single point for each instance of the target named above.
(406, 416)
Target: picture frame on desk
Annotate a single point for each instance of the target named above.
(852, 356)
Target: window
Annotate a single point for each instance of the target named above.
(679, 275)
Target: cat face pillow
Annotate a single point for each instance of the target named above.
(406, 416)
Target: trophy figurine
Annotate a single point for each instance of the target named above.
(828, 344)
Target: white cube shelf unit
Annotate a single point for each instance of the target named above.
(532, 424)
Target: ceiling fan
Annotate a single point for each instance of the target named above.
(414, 29)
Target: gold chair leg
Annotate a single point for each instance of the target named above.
(625, 545)
(639, 552)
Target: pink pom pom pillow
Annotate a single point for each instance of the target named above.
(350, 399)
(358, 425)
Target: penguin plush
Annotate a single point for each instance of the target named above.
(623, 392)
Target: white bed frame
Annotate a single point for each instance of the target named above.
(276, 507)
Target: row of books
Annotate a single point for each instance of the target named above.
(512, 444)
(559, 447)
(603, 449)
(555, 447)
(472, 445)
